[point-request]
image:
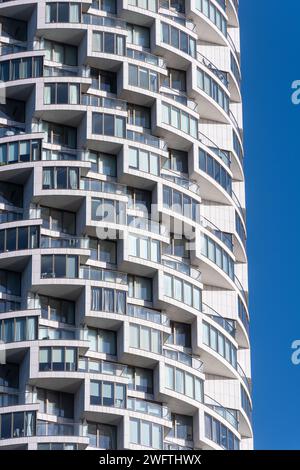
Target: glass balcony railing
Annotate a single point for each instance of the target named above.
(102, 275)
(102, 186)
(241, 289)
(66, 71)
(47, 333)
(174, 446)
(147, 314)
(236, 124)
(177, 19)
(76, 243)
(184, 183)
(103, 102)
(94, 366)
(238, 203)
(8, 397)
(149, 408)
(108, 21)
(10, 131)
(232, 44)
(14, 48)
(226, 324)
(47, 428)
(64, 155)
(244, 377)
(184, 358)
(181, 267)
(222, 154)
(149, 225)
(147, 139)
(146, 57)
(222, 76)
(179, 98)
(226, 238)
(231, 416)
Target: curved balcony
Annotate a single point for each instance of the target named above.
(218, 433)
(216, 181)
(153, 351)
(211, 21)
(211, 95)
(181, 387)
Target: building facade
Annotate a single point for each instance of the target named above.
(124, 317)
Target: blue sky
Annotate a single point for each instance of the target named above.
(270, 63)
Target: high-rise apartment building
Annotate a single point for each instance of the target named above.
(124, 295)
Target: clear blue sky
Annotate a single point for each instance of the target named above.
(270, 63)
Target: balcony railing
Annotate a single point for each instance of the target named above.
(222, 76)
(103, 102)
(143, 313)
(73, 242)
(10, 131)
(93, 366)
(231, 416)
(224, 237)
(149, 225)
(47, 428)
(147, 139)
(64, 155)
(102, 275)
(173, 446)
(183, 358)
(236, 124)
(245, 379)
(149, 408)
(146, 57)
(227, 325)
(47, 333)
(66, 71)
(179, 98)
(238, 203)
(233, 46)
(241, 289)
(177, 19)
(181, 267)
(8, 397)
(108, 21)
(185, 183)
(225, 156)
(88, 184)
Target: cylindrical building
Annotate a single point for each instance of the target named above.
(124, 295)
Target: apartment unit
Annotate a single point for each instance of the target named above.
(123, 267)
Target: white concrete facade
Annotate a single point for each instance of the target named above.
(123, 263)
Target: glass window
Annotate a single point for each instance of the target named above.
(134, 431)
(138, 35)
